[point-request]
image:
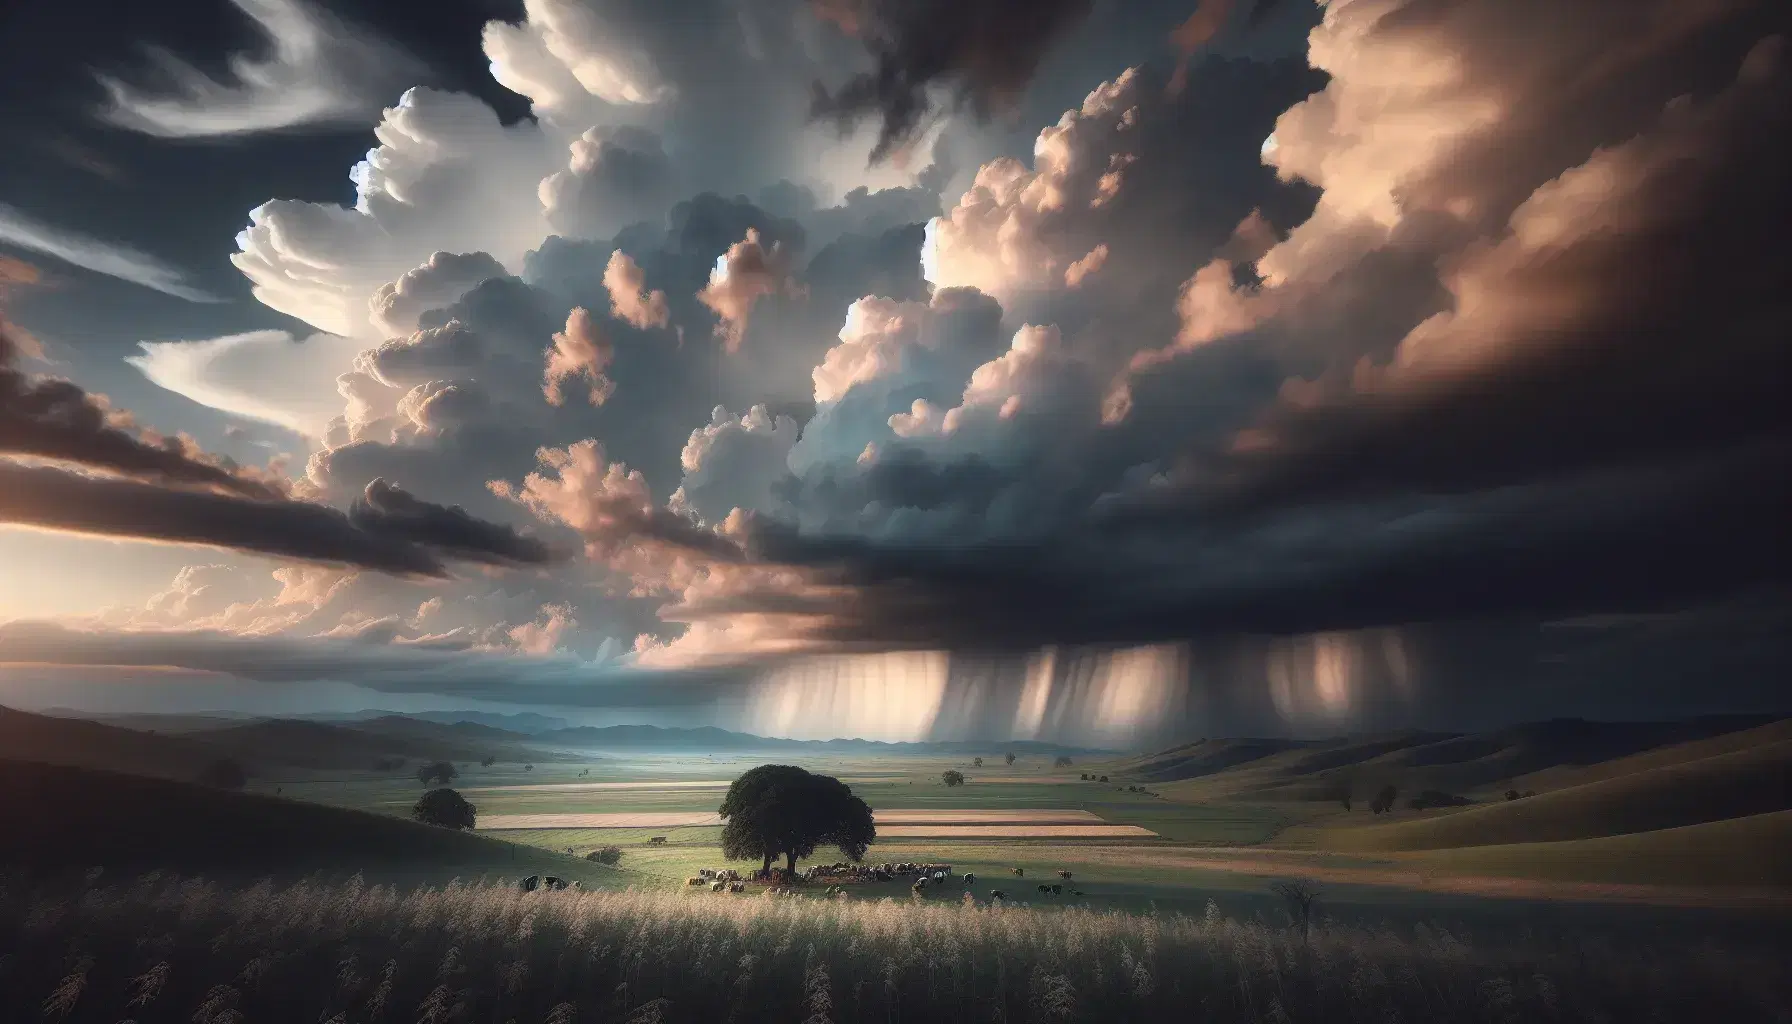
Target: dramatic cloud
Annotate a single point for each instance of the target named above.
(734, 462)
(232, 374)
(564, 53)
(394, 538)
(578, 351)
(320, 72)
(630, 301)
(615, 176)
(982, 53)
(438, 282)
(447, 176)
(749, 271)
(109, 258)
(51, 419)
(1459, 317)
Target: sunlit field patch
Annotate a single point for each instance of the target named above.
(580, 787)
(647, 819)
(1014, 831)
(985, 816)
(1018, 822)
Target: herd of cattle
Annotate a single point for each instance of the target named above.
(837, 875)
(924, 875)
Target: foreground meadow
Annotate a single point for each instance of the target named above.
(162, 948)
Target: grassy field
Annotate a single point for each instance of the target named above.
(1746, 851)
(166, 950)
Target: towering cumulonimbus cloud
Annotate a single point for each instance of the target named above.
(435, 283)
(1266, 354)
(447, 176)
(615, 176)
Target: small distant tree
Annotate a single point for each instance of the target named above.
(437, 771)
(1384, 800)
(224, 773)
(528, 767)
(1299, 895)
(1530, 792)
(1512, 794)
(488, 762)
(444, 808)
(1061, 762)
(952, 778)
(1104, 778)
(976, 762)
(1009, 756)
(611, 855)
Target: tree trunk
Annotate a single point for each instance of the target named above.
(765, 865)
(790, 860)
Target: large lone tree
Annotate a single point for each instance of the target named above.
(444, 808)
(780, 810)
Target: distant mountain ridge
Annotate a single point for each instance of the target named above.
(710, 738)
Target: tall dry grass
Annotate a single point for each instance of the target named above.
(162, 948)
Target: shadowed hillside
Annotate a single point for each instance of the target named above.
(74, 818)
(71, 741)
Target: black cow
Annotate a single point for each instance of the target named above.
(532, 883)
(555, 883)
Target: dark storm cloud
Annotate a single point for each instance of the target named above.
(983, 52)
(388, 511)
(1575, 411)
(58, 500)
(49, 418)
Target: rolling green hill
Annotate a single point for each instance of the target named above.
(1744, 852)
(1485, 763)
(74, 818)
(1754, 780)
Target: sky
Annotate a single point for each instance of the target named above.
(1109, 373)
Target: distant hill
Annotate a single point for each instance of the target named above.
(709, 739)
(1754, 780)
(25, 736)
(1411, 762)
(527, 722)
(74, 818)
(427, 729)
(145, 721)
(321, 745)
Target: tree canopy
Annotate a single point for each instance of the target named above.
(778, 810)
(952, 777)
(445, 808)
(437, 771)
